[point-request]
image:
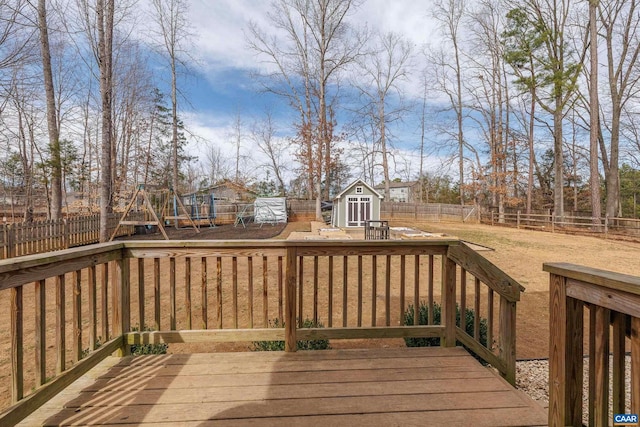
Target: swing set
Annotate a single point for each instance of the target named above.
(169, 202)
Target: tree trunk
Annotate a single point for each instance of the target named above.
(594, 111)
(105, 11)
(52, 123)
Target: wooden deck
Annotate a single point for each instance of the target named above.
(386, 387)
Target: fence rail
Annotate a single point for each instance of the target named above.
(612, 302)
(549, 221)
(205, 291)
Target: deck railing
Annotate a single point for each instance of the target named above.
(612, 301)
(92, 301)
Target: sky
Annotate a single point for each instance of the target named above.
(219, 87)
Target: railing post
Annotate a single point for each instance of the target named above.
(565, 355)
(290, 340)
(121, 304)
(449, 301)
(508, 338)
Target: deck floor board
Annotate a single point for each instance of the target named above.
(372, 387)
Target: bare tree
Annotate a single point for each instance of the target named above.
(171, 20)
(594, 114)
(317, 46)
(104, 14)
(449, 14)
(383, 71)
(52, 119)
(621, 32)
(264, 136)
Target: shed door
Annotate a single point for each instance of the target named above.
(358, 210)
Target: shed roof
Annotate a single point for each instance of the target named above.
(359, 182)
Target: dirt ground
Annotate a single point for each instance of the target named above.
(520, 253)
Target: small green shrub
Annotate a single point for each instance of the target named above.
(423, 314)
(302, 344)
(142, 349)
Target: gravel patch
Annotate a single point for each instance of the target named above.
(532, 377)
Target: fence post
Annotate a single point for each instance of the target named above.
(553, 222)
(606, 225)
(65, 234)
(290, 340)
(518, 219)
(10, 241)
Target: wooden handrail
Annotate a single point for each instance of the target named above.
(611, 299)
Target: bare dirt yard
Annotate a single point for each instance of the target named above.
(520, 253)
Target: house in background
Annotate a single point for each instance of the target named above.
(357, 203)
(233, 192)
(401, 192)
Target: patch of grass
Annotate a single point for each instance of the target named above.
(144, 349)
(302, 344)
(423, 314)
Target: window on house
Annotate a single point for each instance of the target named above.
(359, 190)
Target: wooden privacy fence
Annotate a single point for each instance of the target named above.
(26, 238)
(427, 212)
(550, 222)
(205, 291)
(612, 302)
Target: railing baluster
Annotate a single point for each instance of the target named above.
(219, 290)
(40, 332)
(250, 290)
(416, 290)
(234, 273)
(359, 290)
(430, 281)
(330, 293)
(104, 302)
(60, 324)
(387, 291)
(476, 311)
(187, 290)
(490, 319)
(156, 293)
(300, 290)
(265, 292)
(402, 288)
(315, 291)
(77, 315)
(374, 289)
(203, 291)
(635, 365)
(601, 371)
(345, 273)
(618, 365)
(172, 293)
(17, 338)
(463, 299)
(280, 291)
(93, 308)
(141, 314)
